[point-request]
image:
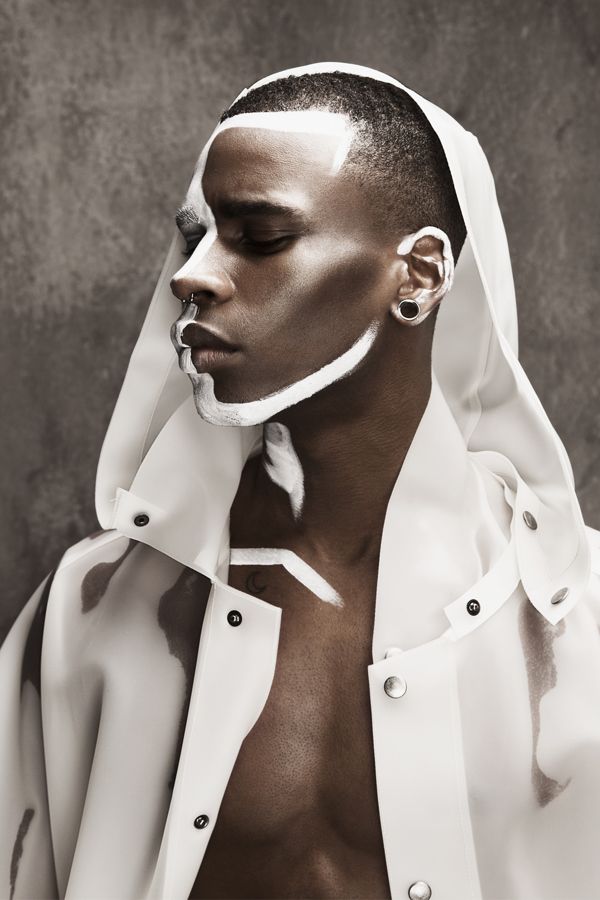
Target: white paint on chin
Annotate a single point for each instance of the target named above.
(282, 464)
(253, 412)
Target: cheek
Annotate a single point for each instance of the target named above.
(326, 290)
(347, 284)
(299, 311)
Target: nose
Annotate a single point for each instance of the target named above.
(207, 287)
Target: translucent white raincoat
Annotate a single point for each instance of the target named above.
(115, 677)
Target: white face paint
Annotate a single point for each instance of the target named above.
(253, 412)
(282, 464)
(317, 122)
(325, 126)
(278, 556)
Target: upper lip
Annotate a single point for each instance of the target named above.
(195, 335)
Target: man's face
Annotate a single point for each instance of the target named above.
(293, 269)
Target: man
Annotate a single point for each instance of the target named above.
(343, 613)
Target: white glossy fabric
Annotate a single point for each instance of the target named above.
(488, 768)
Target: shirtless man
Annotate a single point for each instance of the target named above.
(292, 250)
(348, 647)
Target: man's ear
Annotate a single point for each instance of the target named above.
(425, 274)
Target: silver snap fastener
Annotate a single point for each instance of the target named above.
(530, 520)
(391, 650)
(559, 596)
(201, 821)
(394, 686)
(234, 617)
(141, 520)
(419, 890)
(473, 607)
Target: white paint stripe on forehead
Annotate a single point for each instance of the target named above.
(303, 121)
(314, 121)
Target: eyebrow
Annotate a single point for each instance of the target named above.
(187, 216)
(231, 208)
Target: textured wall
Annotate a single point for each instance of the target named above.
(108, 103)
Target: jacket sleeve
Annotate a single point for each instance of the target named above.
(26, 857)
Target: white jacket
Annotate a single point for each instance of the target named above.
(125, 694)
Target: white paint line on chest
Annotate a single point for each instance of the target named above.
(273, 556)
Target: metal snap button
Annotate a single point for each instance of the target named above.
(473, 607)
(560, 595)
(141, 520)
(394, 686)
(530, 520)
(201, 821)
(419, 890)
(234, 617)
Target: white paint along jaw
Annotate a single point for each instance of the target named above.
(255, 412)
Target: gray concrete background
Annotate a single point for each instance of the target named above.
(107, 105)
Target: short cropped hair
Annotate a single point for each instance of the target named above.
(398, 155)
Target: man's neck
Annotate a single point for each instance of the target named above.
(347, 454)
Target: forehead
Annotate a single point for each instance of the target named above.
(255, 154)
(290, 151)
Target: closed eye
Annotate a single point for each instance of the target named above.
(254, 245)
(272, 245)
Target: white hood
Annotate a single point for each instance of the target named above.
(159, 457)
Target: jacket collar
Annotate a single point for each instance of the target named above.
(454, 530)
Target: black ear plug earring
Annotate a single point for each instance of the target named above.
(408, 310)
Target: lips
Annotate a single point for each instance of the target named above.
(200, 338)
(207, 350)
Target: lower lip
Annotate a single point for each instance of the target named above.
(205, 358)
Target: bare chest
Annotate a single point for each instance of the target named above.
(300, 816)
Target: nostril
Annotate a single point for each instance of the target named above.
(181, 290)
(197, 296)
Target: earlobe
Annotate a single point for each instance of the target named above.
(427, 274)
(408, 310)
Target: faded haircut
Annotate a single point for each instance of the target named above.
(398, 155)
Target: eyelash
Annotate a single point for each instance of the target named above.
(273, 243)
(246, 242)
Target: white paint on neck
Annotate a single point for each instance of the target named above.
(282, 464)
(274, 556)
